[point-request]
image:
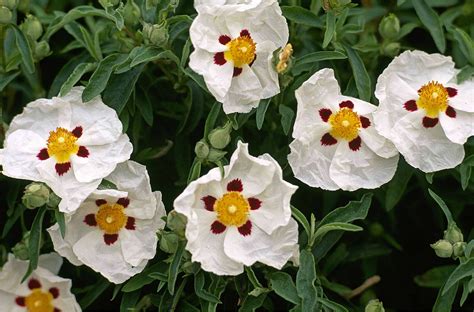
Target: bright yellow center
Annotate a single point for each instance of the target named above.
(38, 301)
(345, 124)
(111, 218)
(433, 98)
(232, 209)
(241, 51)
(61, 145)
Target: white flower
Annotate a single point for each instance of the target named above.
(218, 7)
(114, 231)
(67, 144)
(336, 145)
(233, 51)
(240, 218)
(423, 111)
(43, 290)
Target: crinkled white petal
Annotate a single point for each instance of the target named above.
(219, 7)
(205, 32)
(376, 142)
(244, 93)
(427, 149)
(271, 249)
(352, 170)
(360, 107)
(464, 98)
(458, 129)
(263, 69)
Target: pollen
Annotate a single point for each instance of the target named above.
(61, 145)
(111, 218)
(39, 301)
(241, 51)
(345, 124)
(232, 209)
(433, 98)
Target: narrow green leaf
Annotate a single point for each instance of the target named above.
(435, 277)
(94, 293)
(59, 216)
(444, 302)
(34, 243)
(212, 118)
(299, 216)
(361, 76)
(252, 277)
(24, 48)
(6, 78)
(354, 210)
(196, 78)
(336, 226)
(431, 21)
(75, 76)
(442, 205)
(332, 306)
(145, 277)
(11, 220)
(305, 279)
(261, 111)
(467, 72)
(283, 285)
(397, 186)
(463, 270)
(129, 301)
(287, 116)
(252, 303)
(150, 54)
(466, 44)
(330, 28)
(174, 267)
(320, 56)
(199, 281)
(302, 16)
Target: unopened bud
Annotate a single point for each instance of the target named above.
(11, 4)
(458, 249)
(169, 242)
(6, 15)
(176, 222)
(201, 149)
(376, 229)
(24, 5)
(220, 137)
(53, 200)
(336, 5)
(215, 155)
(391, 49)
(389, 27)
(284, 59)
(32, 27)
(131, 13)
(156, 34)
(453, 234)
(443, 248)
(20, 250)
(35, 195)
(374, 305)
(42, 50)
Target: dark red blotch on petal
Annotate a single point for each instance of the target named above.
(83, 152)
(100, 202)
(328, 140)
(429, 122)
(77, 132)
(54, 291)
(43, 154)
(410, 106)
(237, 71)
(364, 121)
(224, 39)
(235, 186)
(62, 168)
(254, 58)
(90, 220)
(355, 144)
(217, 227)
(246, 229)
(20, 301)
(347, 104)
(244, 33)
(325, 113)
(109, 239)
(451, 112)
(452, 91)
(124, 201)
(34, 283)
(209, 202)
(254, 203)
(57, 310)
(219, 58)
(130, 223)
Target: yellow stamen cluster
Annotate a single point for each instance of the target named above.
(241, 51)
(39, 301)
(111, 218)
(232, 209)
(61, 145)
(345, 124)
(433, 98)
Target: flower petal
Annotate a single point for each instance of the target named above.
(463, 99)
(458, 129)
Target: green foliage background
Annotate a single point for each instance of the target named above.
(166, 109)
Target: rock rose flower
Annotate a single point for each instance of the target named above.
(233, 47)
(42, 291)
(114, 231)
(241, 217)
(336, 145)
(65, 143)
(423, 111)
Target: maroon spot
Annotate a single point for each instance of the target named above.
(20, 301)
(219, 58)
(209, 202)
(254, 58)
(452, 91)
(34, 283)
(109, 239)
(57, 310)
(83, 152)
(451, 112)
(217, 227)
(43, 154)
(77, 132)
(429, 122)
(62, 168)
(130, 223)
(100, 202)
(328, 140)
(244, 33)
(124, 201)
(224, 39)
(90, 220)
(54, 291)
(347, 104)
(325, 113)
(254, 203)
(246, 229)
(355, 144)
(364, 121)
(410, 106)
(237, 71)
(235, 186)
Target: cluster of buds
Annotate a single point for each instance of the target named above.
(337, 5)
(211, 148)
(37, 195)
(33, 30)
(6, 10)
(452, 244)
(156, 34)
(389, 29)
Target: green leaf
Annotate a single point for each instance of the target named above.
(305, 279)
(444, 302)
(397, 186)
(212, 118)
(6, 78)
(174, 267)
(354, 210)
(330, 28)
(336, 226)
(98, 81)
(283, 285)
(442, 205)
(431, 21)
(144, 278)
(34, 242)
(129, 301)
(150, 54)
(302, 16)
(199, 281)
(11, 220)
(75, 76)
(466, 44)
(196, 78)
(287, 115)
(59, 216)
(261, 111)
(361, 76)
(67, 71)
(435, 277)
(24, 48)
(333, 306)
(467, 72)
(252, 277)
(406, 29)
(465, 169)
(463, 270)
(320, 56)
(299, 216)
(252, 303)
(94, 293)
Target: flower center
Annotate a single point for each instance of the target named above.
(38, 301)
(241, 51)
(62, 144)
(345, 124)
(111, 218)
(232, 209)
(433, 98)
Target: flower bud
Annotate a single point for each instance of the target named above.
(53, 200)
(42, 50)
(336, 5)
(215, 155)
(169, 242)
(6, 15)
(201, 149)
(389, 27)
(23, 5)
(374, 305)
(108, 3)
(453, 234)
(131, 13)
(443, 248)
(220, 137)
(284, 59)
(35, 195)
(156, 34)
(376, 229)
(458, 249)
(20, 250)
(391, 49)
(176, 222)
(11, 4)
(32, 27)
